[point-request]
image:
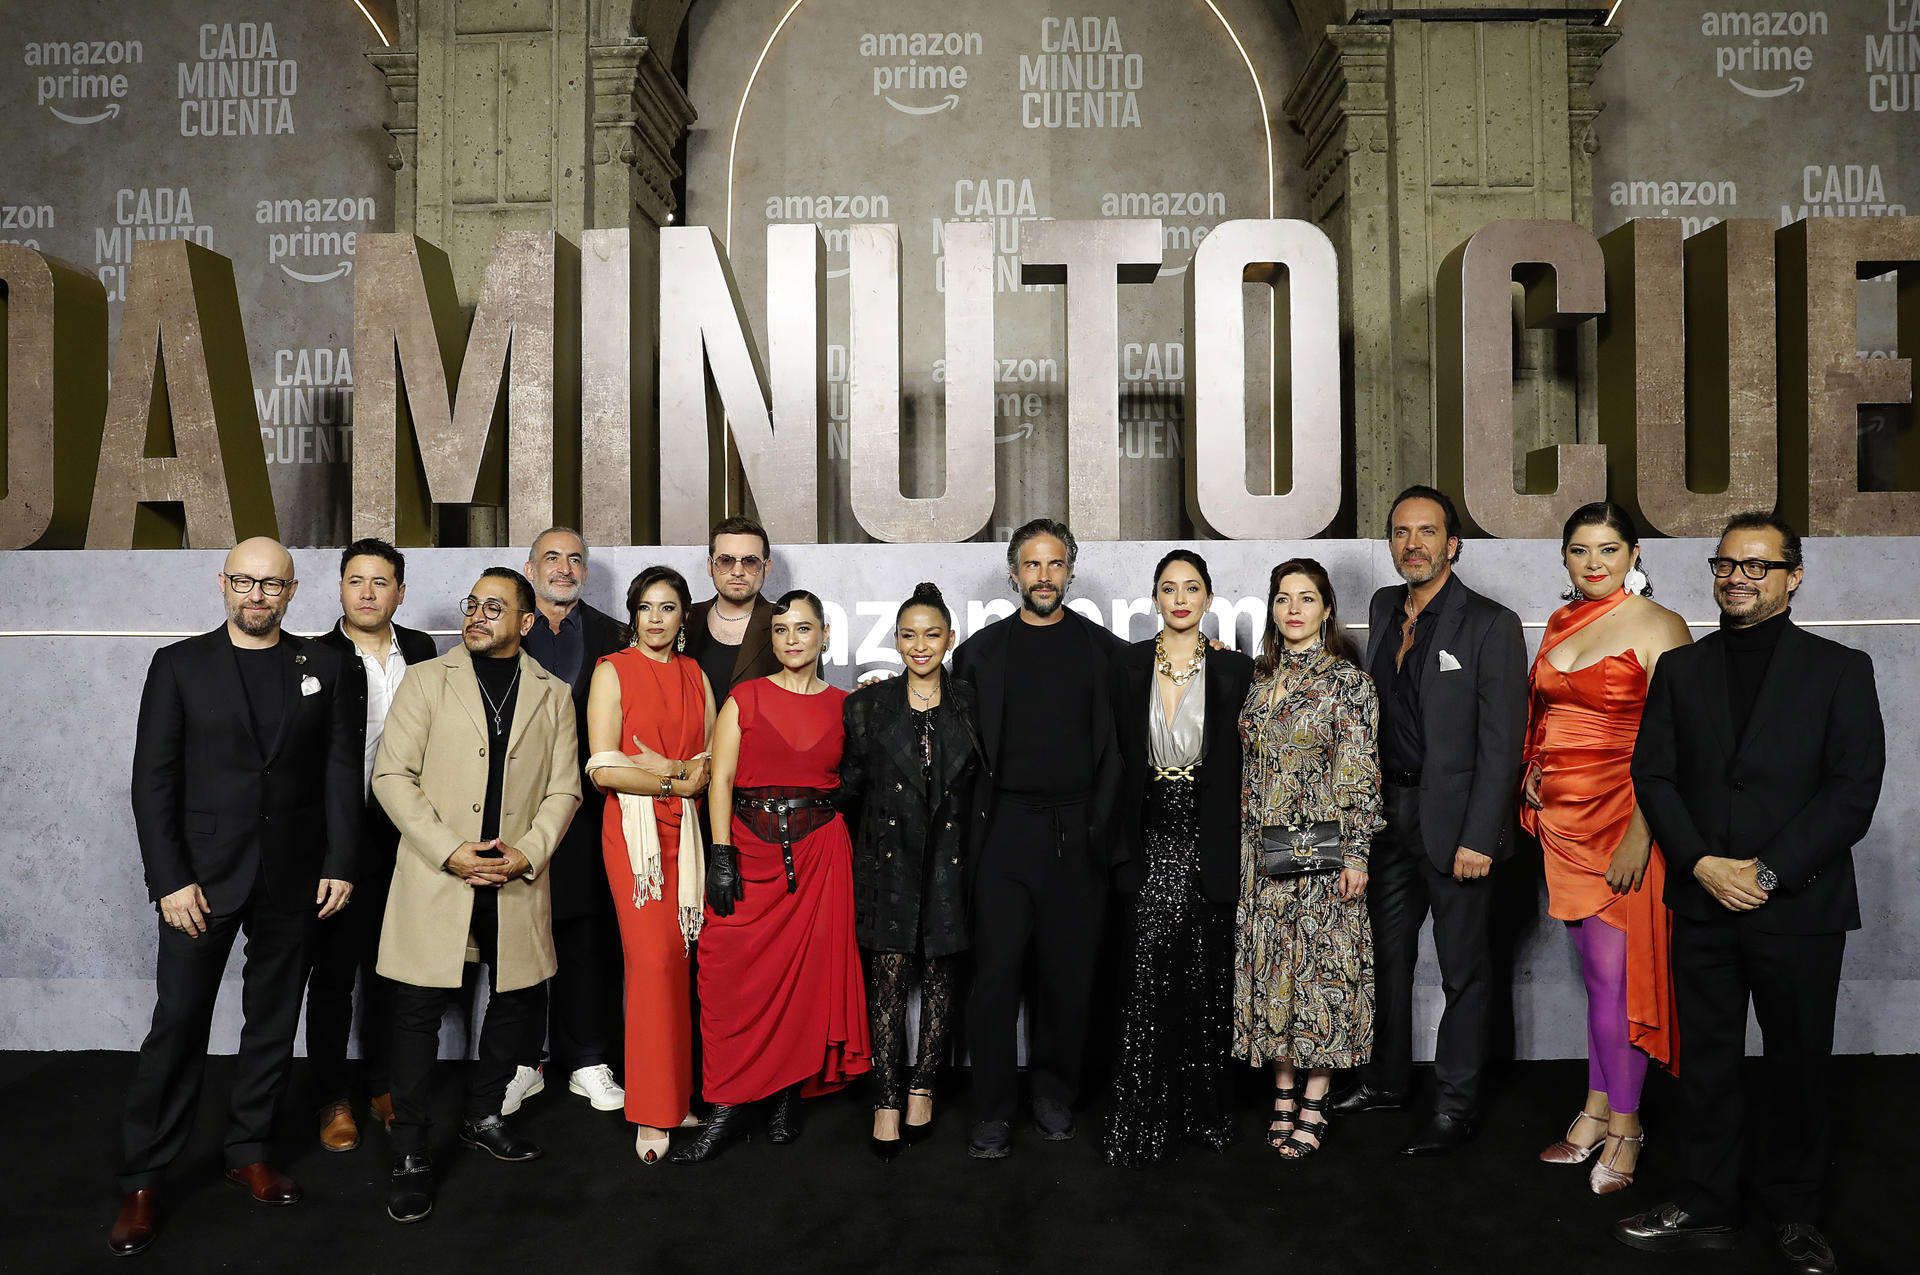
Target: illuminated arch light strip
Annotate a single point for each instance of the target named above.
(1266, 128)
(370, 22)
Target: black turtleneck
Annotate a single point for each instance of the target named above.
(499, 685)
(1749, 652)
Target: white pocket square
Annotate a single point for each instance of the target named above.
(1447, 662)
(310, 685)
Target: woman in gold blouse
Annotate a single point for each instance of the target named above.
(1303, 976)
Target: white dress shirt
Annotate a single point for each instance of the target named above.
(383, 679)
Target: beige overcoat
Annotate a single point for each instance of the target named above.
(431, 777)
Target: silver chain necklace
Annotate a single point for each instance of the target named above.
(496, 711)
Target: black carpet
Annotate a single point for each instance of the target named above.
(825, 1204)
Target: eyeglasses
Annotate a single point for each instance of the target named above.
(1751, 568)
(271, 586)
(750, 564)
(492, 608)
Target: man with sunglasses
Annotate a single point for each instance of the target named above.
(246, 801)
(731, 633)
(1758, 766)
(478, 768)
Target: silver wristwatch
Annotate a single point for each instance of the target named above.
(1766, 878)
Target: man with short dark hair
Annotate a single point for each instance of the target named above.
(1758, 766)
(1450, 667)
(375, 653)
(583, 997)
(479, 772)
(731, 633)
(246, 800)
(1042, 845)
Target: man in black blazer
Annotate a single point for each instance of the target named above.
(1043, 846)
(583, 1017)
(1451, 670)
(375, 653)
(1758, 766)
(246, 800)
(730, 635)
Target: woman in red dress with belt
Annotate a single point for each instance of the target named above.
(649, 716)
(1605, 877)
(783, 1009)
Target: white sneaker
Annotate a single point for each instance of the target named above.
(526, 1082)
(596, 1084)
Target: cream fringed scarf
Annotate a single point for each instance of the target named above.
(642, 833)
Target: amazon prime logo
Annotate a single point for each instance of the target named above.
(304, 239)
(74, 82)
(849, 210)
(919, 72)
(1186, 216)
(1760, 56)
(1016, 404)
(16, 218)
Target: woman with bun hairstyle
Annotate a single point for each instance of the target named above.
(1176, 708)
(912, 754)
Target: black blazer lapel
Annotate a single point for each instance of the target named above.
(757, 640)
(1774, 691)
(1223, 715)
(956, 737)
(988, 667)
(289, 690)
(899, 742)
(1711, 681)
(223, 670)
(1377, 621)
(1446, 633)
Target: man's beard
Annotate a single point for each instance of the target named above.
(1417, 573)
(236, 612)
(736, 592)
(559, 594)
(1039, 608)
(483, 645)
(1757, 602)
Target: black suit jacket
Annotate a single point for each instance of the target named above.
(755, 657)
(1227, 676)
(981, 660)
(1473, 719)
(415, 646)
(214, 806)
(578, 873)
(1797, 791)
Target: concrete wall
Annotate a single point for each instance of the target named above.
(77, 934)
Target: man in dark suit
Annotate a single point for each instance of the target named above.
(1043, 847)
(583, 1017)
(1758, 765)
(246, 800)
(374, 655)
(731, 633)
(1451, 670)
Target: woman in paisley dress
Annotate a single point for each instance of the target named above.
(1303, 973)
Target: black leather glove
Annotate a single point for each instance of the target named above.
(724, 886)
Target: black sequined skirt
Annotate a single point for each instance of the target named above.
(1170, 1084)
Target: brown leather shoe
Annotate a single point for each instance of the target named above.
(138, 1223)
(381, 1109)
(338, 1132)
(268, 1184)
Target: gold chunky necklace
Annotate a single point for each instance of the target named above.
(1185, 675)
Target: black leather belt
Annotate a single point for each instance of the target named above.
(1403, 778)
(783, 809)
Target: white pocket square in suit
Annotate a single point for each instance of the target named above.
(1447, 662)
(310, 685)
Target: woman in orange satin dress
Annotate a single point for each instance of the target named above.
(649, 721)
(1605, 877)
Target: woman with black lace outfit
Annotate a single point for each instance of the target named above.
(912, 752)
(1177, 713)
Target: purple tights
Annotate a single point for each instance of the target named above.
(1614, 1065)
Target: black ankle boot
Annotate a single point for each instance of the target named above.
(783, 1122)
(410, 1189)
(493, 1136)
(725, 1124)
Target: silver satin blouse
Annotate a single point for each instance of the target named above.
(1181, 741)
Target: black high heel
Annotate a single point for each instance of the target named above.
(725, 1124)
(1277, 1136)
(916, 1133)
(783, 1122)
(1294, 1148)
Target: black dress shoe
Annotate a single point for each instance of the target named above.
(492, 1136)
(725, 1124)
(1805, 1249)
(783, 1122)
(1364, 1097)
(1440, 1135)
(410, 1187)
(990, 1140)
(138, 1223)
(1054, 1122)
(1671, 1229)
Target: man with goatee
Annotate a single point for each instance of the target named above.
(1042, 847)
(246, 801)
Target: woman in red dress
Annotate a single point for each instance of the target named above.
(649, 717)
(1605, 877)
(783, 1008)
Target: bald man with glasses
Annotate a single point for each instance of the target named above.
(247, 805)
